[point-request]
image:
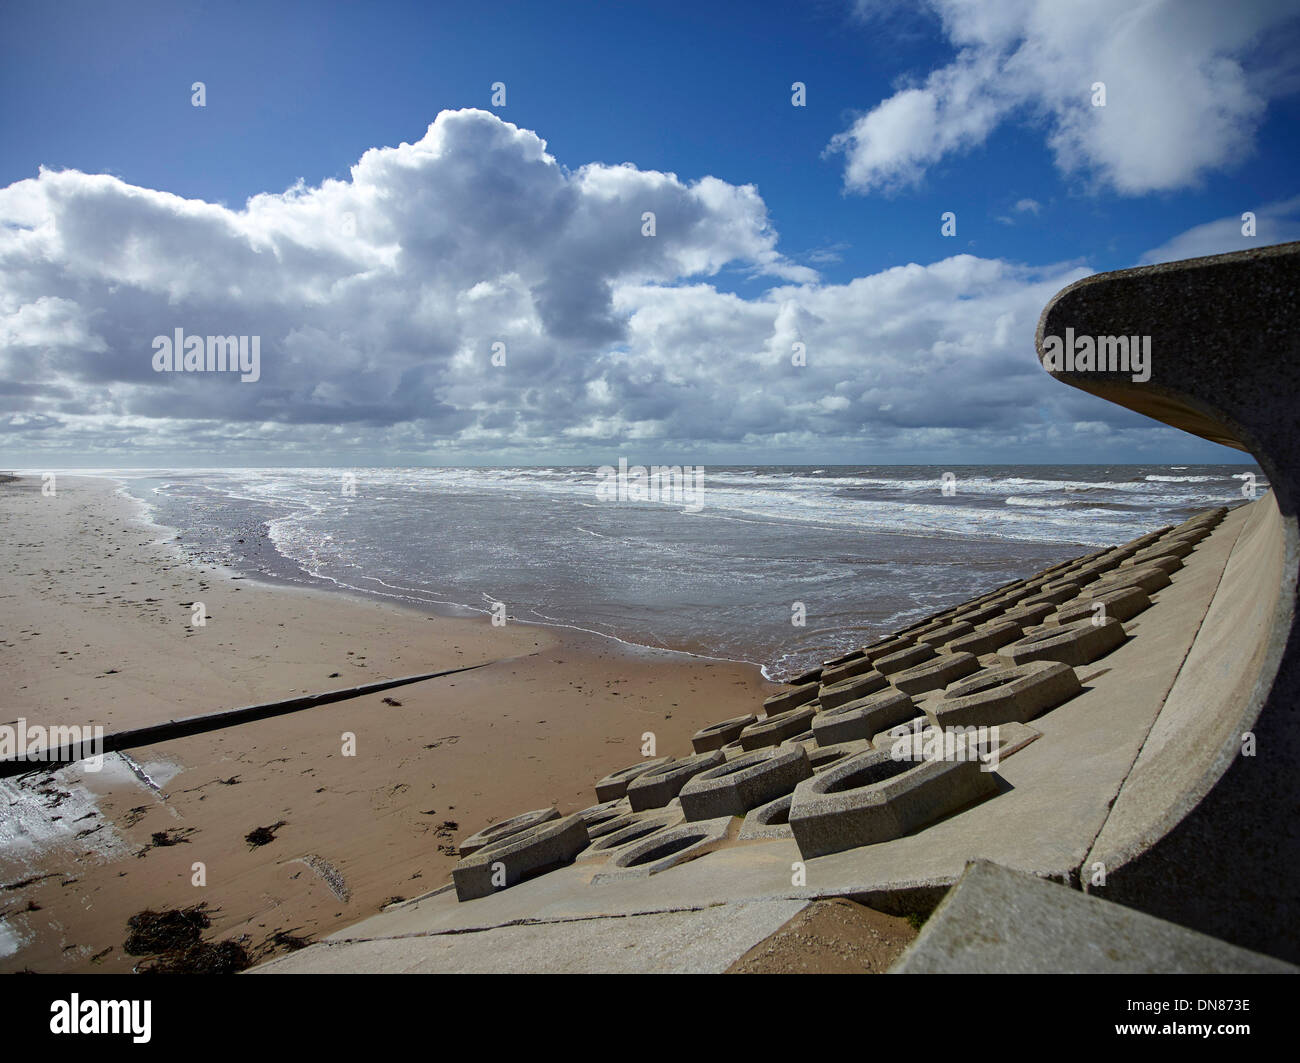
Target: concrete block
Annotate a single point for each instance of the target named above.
(717, 735)
(822, 757)
(863, 718)
(936, 674)
(1150, 578)
(999, 921)
(1123, 603)
(1061, 593)
(774, 731)
(656, 787)
(664, 850)
(901, 660)
(526, 854)
(1074, 644)
(1006, 695)
(859, 686)
(505, 828)
(870, 798)
(986, 639)
(732, 789)
(942, 635)
(1029, 615)
(847, 670)
(639, 825)
(614, 785)
(789, 699)
(771, 820)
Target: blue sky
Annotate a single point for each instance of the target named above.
(912, 110)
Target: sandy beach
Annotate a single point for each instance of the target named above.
(97, 608)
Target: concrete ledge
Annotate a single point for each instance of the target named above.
(998, 921)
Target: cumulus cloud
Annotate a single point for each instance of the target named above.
(1180, 100)
(378, 301)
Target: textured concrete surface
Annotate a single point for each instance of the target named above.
(998, 921)
(704, 941)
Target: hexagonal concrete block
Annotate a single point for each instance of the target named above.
(985, 639)
(871, 797)
(1169, 563)
(1150, 578)
(717, 735)
(505, 828)
(851, 689)
(901, 660)
(885, 647)
(639, 825)
(1164, 547)
(732, 789)
(656, 787)
(1062, 593)
(978, 614)
(531, 852)
(1029, 615)
(934, 675)
(665, 849)
(614, 785)
(1123, 603)
(862, 718)
(1074, 644)
(597, 815)
(771, 820)
(790, 699)
(847, 670)
(822, 757)
(776, 730)
(1006, 695)
(943, 635)
(813, 675)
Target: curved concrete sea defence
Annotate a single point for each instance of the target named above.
(1206, 829)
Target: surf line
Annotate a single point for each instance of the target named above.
(60, 756)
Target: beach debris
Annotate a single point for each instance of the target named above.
(263, 835)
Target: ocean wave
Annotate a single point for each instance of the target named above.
(1184, 479)
(1020, 500)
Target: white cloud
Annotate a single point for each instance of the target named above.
(1180, 101)
(1275, 223)
(378, 300)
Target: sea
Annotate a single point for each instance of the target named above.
(780, 566)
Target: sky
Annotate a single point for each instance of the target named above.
(430, 221)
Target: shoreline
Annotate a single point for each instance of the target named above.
(99, 633)
(447, 610)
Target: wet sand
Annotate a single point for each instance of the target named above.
(96, 630)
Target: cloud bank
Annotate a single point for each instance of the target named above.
(380, 300)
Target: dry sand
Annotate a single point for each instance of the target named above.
(95, 629)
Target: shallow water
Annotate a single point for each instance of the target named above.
(864, 549)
